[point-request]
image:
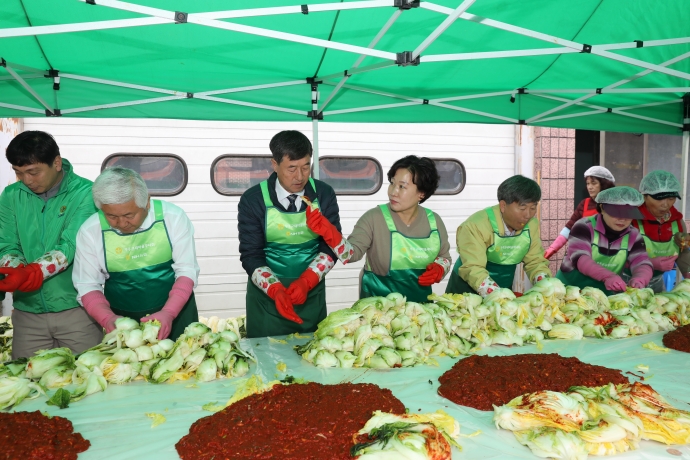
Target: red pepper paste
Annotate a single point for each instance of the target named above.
(301, 421)
(482, 381)
(32, 435)
(678, 339)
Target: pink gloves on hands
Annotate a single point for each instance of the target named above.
(178, 297)
(555, 246)
(98, 307)
(663, 264)
(615, 283)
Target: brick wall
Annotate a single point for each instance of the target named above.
(554, 169)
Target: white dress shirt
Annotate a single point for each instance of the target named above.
(90, 273)
(283, 195)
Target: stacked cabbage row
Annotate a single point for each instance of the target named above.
(216, 324)
(5, 338)
(599, 421)
(384, 332)
(131, 351)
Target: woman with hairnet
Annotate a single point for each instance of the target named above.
(662, 226)
(597, 179)
(601, 246)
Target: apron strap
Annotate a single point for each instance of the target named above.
(432, 219)
(492, 220)
(104, 222)
(267, 196)
(158, 209)
(388, 218)
(674, 227)
(640, 224)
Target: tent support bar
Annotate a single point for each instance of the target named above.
(496, 54)
(315, 137)
(250, 104)
(122, 104)
(380, 93)
(368, 68)
(120, 84)
(573, 115)
(359, 60)
(25, 77)
(641, 117)
(643, 64)
(80, 27)
(681, 89)
(685, 153)
(442, 27)
(475, 112)
(297, 9)
(473, 96)
(372, 107)
(249, 88)
(560, 107)
(651, 104)
(28, 88)
(21, 107)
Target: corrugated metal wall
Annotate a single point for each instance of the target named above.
(487, 151)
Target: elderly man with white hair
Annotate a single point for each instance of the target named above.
(136, 257)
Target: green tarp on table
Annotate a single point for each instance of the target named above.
(115, 424)
(139, 63)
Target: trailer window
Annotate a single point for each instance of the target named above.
(164, 174)
(233, 174)
(452, 174)
(351, 175)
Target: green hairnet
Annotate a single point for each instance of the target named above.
(620, 195)
(659, 182)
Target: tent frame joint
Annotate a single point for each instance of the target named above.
(3, 62)
(315, 115)
(181, 17)
(54, 113)
(522, 122)
(190, 95)
(90, 2)
(55, 75)
(305, 9)
(639, 43)
(405, 4)
(609, 110)
(425, 101)
(586, 48)
(405, 58)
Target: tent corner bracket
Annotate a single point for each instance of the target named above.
(55, 75)
(54, 113)
(586, 48)
(305, 9)
(405, 4)
(405, 58)
(639, 43)
(315, 115)
(181, 17)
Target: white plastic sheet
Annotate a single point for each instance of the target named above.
(115, 423)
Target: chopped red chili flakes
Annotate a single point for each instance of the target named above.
(678, 339)
(32, 435)
(302, 421)
(482, 381)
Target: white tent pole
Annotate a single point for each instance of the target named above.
(21, 107)
(685, 152)
(359, 60)
(25, 77)
(651, 104)
(368, 68)
(442, 27)
(680, 89)
(475, 112)
(473, 96)
(297, 9)
(369, 108)
(120, 84)
(643, 64)
(642, 117)
(315, 136)
(28, 88)
(496, 54)
(572, 115)
(646, 44)
(560, 107)
(80, 27)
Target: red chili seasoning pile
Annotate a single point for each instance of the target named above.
(302, 421)
(480, 381)
(32, 435)
(678, 339)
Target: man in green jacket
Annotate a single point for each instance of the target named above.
(39, 219)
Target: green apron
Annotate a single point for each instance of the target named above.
(502, 257)
(140, 272)
(290, 248)
(613, 263)
(409, 258)
(659, 249)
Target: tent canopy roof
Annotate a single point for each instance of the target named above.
(619, 65)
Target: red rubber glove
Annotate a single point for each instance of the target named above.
(25, 279)
(555, 246)
(518, 294)
(284, 306)
(663, 264)
(318, 224)
(615, 283)
(299, 289)
(433, 274)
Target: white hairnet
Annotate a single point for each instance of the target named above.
(620, 195)
(659, 182)
(601, 172)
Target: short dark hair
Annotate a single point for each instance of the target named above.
(604, 184)
(292, 144)
(32, 147)
(519, 189)
(423, 171)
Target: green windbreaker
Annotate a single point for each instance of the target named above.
(30, 228)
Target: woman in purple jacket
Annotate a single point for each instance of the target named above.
(601, 246)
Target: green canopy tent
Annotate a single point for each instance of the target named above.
(614, 65)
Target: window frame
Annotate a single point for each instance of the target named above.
(232, 155)
(185, 170)
(464, 175)
(358, 157)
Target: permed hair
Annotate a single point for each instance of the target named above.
(120, 185)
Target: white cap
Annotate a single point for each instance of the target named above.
(600, 172)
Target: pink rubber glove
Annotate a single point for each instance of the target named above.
(637, 283)
(615, 283)
(663, 264)
(588, 267)
(641, 276)
(178, 297)
(555, 246)
(98, 307)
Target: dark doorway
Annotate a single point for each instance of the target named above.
(586, 156)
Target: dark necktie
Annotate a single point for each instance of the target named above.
(292, 207)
